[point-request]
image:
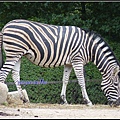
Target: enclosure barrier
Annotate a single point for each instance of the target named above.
(42, 81)
(42, 91)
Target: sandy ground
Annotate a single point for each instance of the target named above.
(57, 111)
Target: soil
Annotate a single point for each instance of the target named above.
(57, 111)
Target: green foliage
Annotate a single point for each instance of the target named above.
(89, 15)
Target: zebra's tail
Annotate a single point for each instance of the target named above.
(1, 53)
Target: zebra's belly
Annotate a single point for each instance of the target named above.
(52, 63)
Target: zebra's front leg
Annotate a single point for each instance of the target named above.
(66, 74)
(79, 71)
(16, 78)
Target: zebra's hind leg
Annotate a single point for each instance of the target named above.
(16, 78)
(66, 74)
(79, 71)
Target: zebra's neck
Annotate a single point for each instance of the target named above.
(99, 52)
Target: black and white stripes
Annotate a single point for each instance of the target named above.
(51, 46)
(46, 45)
(95, 49)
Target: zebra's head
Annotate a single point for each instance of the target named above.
(111, 86)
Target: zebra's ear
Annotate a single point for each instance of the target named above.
(116, 70)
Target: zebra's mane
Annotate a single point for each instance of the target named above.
(95, 35)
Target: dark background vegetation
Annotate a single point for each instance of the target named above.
(102, 17)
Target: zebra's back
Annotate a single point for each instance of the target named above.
(44, 45)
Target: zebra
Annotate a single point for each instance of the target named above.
(51, 46)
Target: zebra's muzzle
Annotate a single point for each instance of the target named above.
(114, 103)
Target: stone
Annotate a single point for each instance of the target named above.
(3, 92)
(14, 98)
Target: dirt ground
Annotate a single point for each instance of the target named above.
(57, 111)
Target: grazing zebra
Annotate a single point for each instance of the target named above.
(51, 46)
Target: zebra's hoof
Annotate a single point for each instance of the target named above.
(63, 100)
(89, 104)
(64, 103)
(25, 101)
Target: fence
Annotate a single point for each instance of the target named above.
(41, 91)
(42, 81)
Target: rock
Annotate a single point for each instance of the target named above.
(13, 97)
(3, 92)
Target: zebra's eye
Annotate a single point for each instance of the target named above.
(116, 83)
(119, 76)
